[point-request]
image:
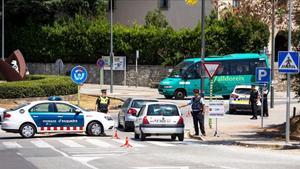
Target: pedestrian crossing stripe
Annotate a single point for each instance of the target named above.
(288, 62)
(87, 143)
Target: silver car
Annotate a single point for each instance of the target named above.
(129, 110)
(159, 119)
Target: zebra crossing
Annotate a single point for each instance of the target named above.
(86, 142)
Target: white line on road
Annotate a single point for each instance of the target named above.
(130, 142)
(99, 143)
(71, 143)
(12, 145)
(161, 144)
(41, 144)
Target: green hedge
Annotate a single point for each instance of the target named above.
(38, 86)
(84, 40)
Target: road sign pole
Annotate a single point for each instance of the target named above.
(210, 100)
(136, 67)
(262, 108)
(287, 130)
(78, 95)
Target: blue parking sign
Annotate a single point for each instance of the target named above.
(263, 75)
(79, 75)
(288, 62)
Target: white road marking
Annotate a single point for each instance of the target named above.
(158, 143)
(165, 167)
(130, 142)
(71, 143)
(99, 143)
(11, 145)
(41, 144)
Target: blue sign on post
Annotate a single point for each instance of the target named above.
(288, 62)
(100, 63)
(263, 75)
(79, 75)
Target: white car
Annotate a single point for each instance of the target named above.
(54, 117)
(129, 110)
(1, 113)
(239, 99)
(159, 119)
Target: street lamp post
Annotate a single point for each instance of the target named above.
(111, 47)
(2, 14)
(272, 54)
(202, 44)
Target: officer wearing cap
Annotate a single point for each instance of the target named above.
(197, 104)
(102, 102)
(254, 97)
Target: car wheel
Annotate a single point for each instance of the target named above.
(232, 111)
(173, 137)
(168, 97)
(143, 136)
(27, 130)
(179, 94)
(94, 129)
(136, 136)
(181, 137)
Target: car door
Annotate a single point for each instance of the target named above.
(68, 118)
(123, 111)
(44, 115)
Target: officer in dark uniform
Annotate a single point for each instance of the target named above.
(254, 96)
(197, 103)
(102, 102)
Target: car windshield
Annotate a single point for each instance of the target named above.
(180, 68)
(162, 110)
(19, 107)
(245, 91)
(140, 103)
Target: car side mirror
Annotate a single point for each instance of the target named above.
(78, 111)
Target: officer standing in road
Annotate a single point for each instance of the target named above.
(102, 102)
(197, 103)
(254, 96)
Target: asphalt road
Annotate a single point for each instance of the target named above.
(83, 152)
(80, 152)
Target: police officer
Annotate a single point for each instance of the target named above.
(197, 103)
(254, 96)
(102, 102)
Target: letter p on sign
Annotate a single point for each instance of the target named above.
(263, 75)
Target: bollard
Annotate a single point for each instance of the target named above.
(294, 112)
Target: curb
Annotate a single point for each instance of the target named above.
(266, 145)
(189, 135)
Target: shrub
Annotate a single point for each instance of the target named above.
(38, 86)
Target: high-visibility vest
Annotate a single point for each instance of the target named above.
(104, 100)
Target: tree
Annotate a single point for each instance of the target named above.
(156, 18)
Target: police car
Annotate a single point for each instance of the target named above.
(54, 116)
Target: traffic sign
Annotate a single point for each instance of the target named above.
(211, 68)
(263, 75)
(79, 75)
(100, 63)
(216, 109)
(288, 62)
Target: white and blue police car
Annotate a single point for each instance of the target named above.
(54, 116)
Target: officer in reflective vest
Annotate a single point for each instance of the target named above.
(102, 102)
(197, 104)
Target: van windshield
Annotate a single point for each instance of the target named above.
(180, 68)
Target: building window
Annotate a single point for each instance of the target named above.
(235, 3)
(113, 4)
(163, 4)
